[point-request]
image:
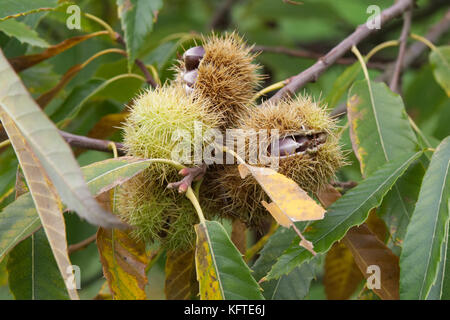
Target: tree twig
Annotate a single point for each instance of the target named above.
(91, 143)
(141, 65)
(395, 82)
(362, 32)
(82, 244)
(344, 185)
(412, 54)
(220, 18)
(301, 53)
(419, 14)
(418, 48)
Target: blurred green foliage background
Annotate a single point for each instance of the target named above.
(316, 26)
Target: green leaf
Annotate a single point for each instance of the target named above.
(22, 32)
(8, 168)
(380, 132)
(45, 198)
(277, 243)
(51, 149)
(105, 175)
(440, 62)
(161, 55)
(14, 7)
(76, 99)
(398, 205)
(33, 273)
(75, 102)
(180, 281)
(293, 286)
(137, 18)
(221, 271)
(17, 221)
(421, 252)
(441, 286)
(20, 219)
(350, 210)
(341, 85)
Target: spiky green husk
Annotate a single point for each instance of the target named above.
(155, 212)
(227, 76)
(311, 171)
(155, 119)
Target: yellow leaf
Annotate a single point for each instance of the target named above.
(293, 202)
(290, 203)
(124, 262)
(207, 276)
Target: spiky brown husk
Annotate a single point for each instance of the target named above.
(311, 171)
(155, 212)
(227, 76)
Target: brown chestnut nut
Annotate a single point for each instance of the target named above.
(190, 77)
(287, 146)
(192, 57)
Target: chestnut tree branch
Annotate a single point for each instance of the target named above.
(301, 53)
(220, 18)
(82, 244)
(91, 143)
(141, 65)
(413, 53)
(361, 32)
(418, 48)
(395, 82)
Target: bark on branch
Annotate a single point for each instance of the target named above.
(91, 143)
(361, 32)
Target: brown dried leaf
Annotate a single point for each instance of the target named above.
(368, 250)
(124, 262)
(239, 235)
(181, 282)
(342, 275)
(342, 272)
(24, 62)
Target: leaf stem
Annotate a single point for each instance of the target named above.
(424, 40)
(191, 196)
(113, 147)
(381, 46)
(419, 132)
(270, 88)
(361, 61)
(101, 53)
(101, 22)
(5, 143)
(238, 158)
